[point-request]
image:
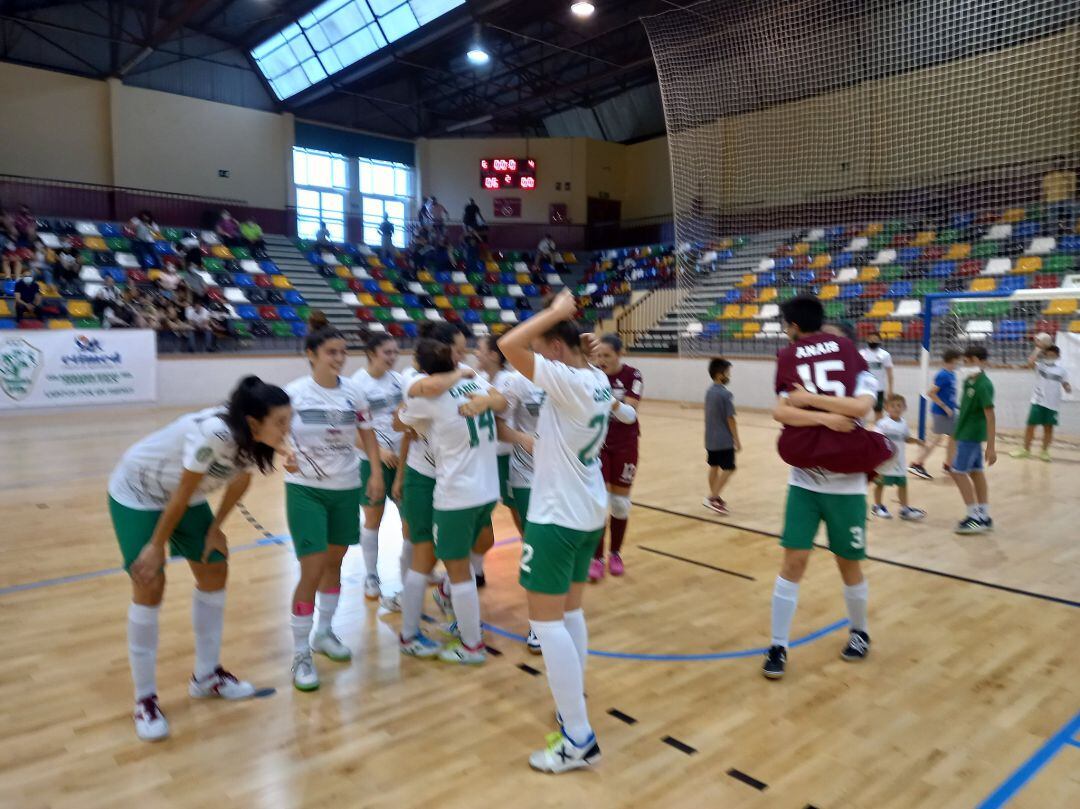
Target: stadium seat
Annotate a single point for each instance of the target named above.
(1059, 263)
(847, 275)
(1012, 283)
(997, 266)
(943, 269)
(1041, 246)
(869, 273)
(999, 233)
(747, 280)
(884, 257)
(247, 312)
(770, 311)
(79, 309)
(851, 291)
(767, 294)
(881, 309)
(983, 285)
(732, 311)
(1074, 326)
(829, 292)
(1026, 264)
(891, 330)
(978, 329)
(908, 308)
(287, 313)
(1061, 306)
(970, 267)
(1011, 330)
(958, 251)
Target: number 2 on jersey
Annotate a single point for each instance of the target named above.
(592, 450)
(820, 382)
(485, 419)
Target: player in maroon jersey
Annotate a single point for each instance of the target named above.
(619, 456)
(823, 387)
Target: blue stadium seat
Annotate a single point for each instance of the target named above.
(907, 255)
(732, 296)
(470, 316)
(8, 323)
(1011, 330)
(943, 269)
(766, 279)
(1069, 244)
(835, 232)
(410, 329)
(314, 257)
(247, 312)
(446, 278)
(510, 278)
(411, 301)
(712, 329)
(163, 248)
(269, 267)
(294, 298)
(1011, 283)
(149, 261)
(900, 289)
(803, 277)
(299, 328)
(288, 313)
(785, 263)
(841, 260)
(109, 230)
(9, 288)
(725, 255)
(1025, 230)
(850, 291)
(531, 290)
(242, 280)
(372, 287)
(525, 315)
(115, 273)
(963, 220)
(506, 302)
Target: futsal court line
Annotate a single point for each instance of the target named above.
(1030, 768)
(955, 576)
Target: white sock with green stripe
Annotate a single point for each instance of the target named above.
(369, 544)
(412, 603)
(208, 621)
(467, 611)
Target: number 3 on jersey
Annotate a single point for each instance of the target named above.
(485, 419)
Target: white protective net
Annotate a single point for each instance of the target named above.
(873, 152)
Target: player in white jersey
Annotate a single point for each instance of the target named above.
(879, 362)
(322, 493)
(567, 511)
(1051, 379)
(157, 496)
(460, 429)
(381, 385)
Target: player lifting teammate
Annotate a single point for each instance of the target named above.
(157, 495)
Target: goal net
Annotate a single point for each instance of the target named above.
(873, 152)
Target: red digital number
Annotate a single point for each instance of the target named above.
(531, 164)
(508, 179)
(511, 164)
(528, 182)
(500, 165)
(484, 165)
(491, 182)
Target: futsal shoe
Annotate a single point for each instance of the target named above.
(919, 471)
(1020, 454)
(372, 588)
(716, 504)
(329, 644)
(615, 565)
(221, 684)
(150, 723)
(858, 646)
(775, 662)
(596, 570)
(443, 601)
(1045, 456)
(912, 514)
(987, 524)
(420, 645)
(481, 580)
(304, 675)
(532, 643)
(451, 631)
(972, 525)
(562, 755)
(391, 603)
(880, 511)
(462, 655)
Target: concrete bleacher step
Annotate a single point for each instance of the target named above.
(310, 284)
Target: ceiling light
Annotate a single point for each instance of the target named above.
(478, 56)
(582, 9)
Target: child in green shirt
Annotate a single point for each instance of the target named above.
(975, 424)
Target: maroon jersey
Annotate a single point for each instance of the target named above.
(627, 382)
(828, 365)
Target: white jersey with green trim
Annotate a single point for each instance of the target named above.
(419, 458)
(383, 395)
(568, 487)
(499, 382)
(524, 401)
(323, 433)
(150, 471)
(1050, 380)
(463, 447)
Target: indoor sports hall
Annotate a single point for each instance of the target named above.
(233, 231)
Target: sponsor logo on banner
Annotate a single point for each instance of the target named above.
(89, 353)
(19, 366)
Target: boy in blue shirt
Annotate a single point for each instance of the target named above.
(942, 396)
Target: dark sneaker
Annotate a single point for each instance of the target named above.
(919, 471)
(481, 580)
(988, 524)
(971, 525)
(858, 646)
(775, 661)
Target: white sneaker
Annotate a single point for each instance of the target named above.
(443, 602)
(419, 646)
(461, 654)
(562, 755)
(150, 723)
(220, 684)
(881, 511)
(435, 578)
(304, 675)
(391, 603)
(372, 591)
(329, 644)
(532, 643)
(912, 514)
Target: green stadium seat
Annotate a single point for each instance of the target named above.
(926, 286)
(281, 328)
(241, 329)
(948, 236)
(984, 250)
(1059, 264)
(490, 316)
(87, 323)
(303, 312)
(338, 284)
(893, 272)
(834, 309)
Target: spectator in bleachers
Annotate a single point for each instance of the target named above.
(7, 225)
(66, 271)
(219, 319)
(201, 321)
(41, 262)
(169, 281)
(144, 232)
(118, 315)
(438, 216)
(191, 249)
(172, 322)
(546, 252)
(470, 243)
(108, 294)
(386, 230)
(253, 234)
(228, 229)
(27, 296)
(322, 236)
(472, 218)
(12, 265)
(423, 216)
(25, 226)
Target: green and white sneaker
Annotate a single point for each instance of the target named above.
(562, 755)
(304, 675)
(443, 602)
(391, 603)
(329, 644)
(420, 645)
(462, 655)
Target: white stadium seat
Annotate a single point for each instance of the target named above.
(1041, 246)
(998, 232)
(360, 271)
(89, 273)
(847, 275)
(350, 299)
(771, 329)
(209, 237)
(884, 257)
(997, 266)
(856, 244)
(235, 295)
(127, 260)
(769, 311)
(432, 314)
(491, 303)
(459, 277)
(979, 329)
(815, 235)
(908, 308)
(87, 229)
(508, 316)
(766, 264)
(400, 314)
(251, 267)
(515, 291)
(50, 240)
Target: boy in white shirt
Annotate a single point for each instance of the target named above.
(879, 362)
(894, 471)
(1051, 379)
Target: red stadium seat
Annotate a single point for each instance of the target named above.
(356, 285)
(269, 313)
(365, 315)
(913, 330)
(969, 268)
(452, 289)
(451, 315)
(475, 303)
(1046, 282)
(801, 262)
(875, 290)
(396, 330)
(377, 273)
(934, 252)
(1049, 326)
(382, 299)
(824, 276)
(864, 328)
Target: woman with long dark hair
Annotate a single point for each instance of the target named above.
(157, 497)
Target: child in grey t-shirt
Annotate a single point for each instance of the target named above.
(721, 434)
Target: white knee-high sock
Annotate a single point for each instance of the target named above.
(369, 543)
(208, 621)
(301, 631)
(785, 598)
(476, 562)
(142, 631)
(564, 678)
(579, 632)
(857, 597)
(412, 603)
(326, 604)
(467, 611)
(406, 559)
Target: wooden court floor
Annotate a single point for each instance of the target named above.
(966, 700)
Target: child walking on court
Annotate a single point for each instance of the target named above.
(942, 396)
(975, 424)
(894, 471)
(721, 433)
(1051, 379)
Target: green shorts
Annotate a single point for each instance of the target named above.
(456, 531)
(844, 516)
(1042, 415)
(134, 527)
(417, 506)
(506, 494)
(553, 557)
(388, 473)
(891, 480)
(521, 502)
(321, 517)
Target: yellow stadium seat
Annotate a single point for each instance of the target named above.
(749, 310)
(425, 277)
(499, 328)
(95, 243)
(60, 324)
(80, 309)
(767, 294)
(1061, 306)
(281, 282)
(1074, 327)
(1027, 264)
(524, 278)
(732, 311)
(828, 292)
(366, 299)
(820, 261)
(983, 285)
(343, 272)
(750, 329)
(491, 266)
(881, 309)
(891, 329)
(388, 287)
(606, 265)
(5, 310)
(869, 274)
(569, 258)
(958, 251)
(468, 289)
(800, 248)
(374, 262)
(221, 251)
(1013, 215)
(49, 291)
(873, 229)
(725, 244)
(154, 275)
(442, 302)
(748, 280)
(923, 238)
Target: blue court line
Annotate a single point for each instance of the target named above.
(1073, 742)
(97, 574)
(820, 633)
(1030, 768)
(510, 541)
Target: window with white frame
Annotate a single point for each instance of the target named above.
(322, 181)
(386, 188)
